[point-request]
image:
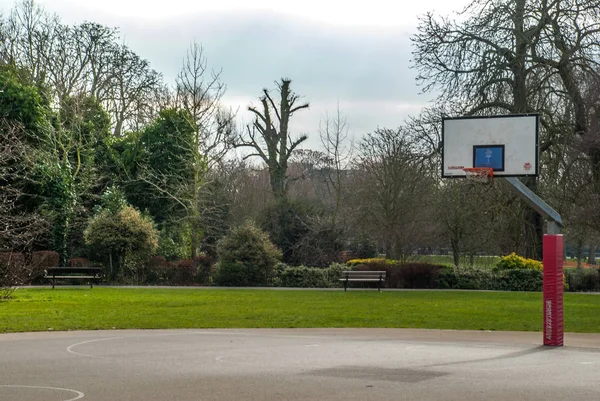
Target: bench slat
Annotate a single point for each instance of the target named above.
(70, 277)
(359, 279)
(365, 276)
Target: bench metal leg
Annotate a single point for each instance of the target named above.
(345, 284)
(52, 282)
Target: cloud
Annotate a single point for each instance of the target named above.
(366, 70)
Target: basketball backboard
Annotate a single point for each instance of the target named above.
(507, 144)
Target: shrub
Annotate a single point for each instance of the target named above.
(447, 279)
(514, 261)
(311, 277)
(417, 275)
(13, 272)
(124, 239)
(354, 262)
(44, 259)
(204, 269)
(79, 262)
(466, 279)
(582, 280)
(478, 279)
(303, 277)
(157, 271)
(521, 280)
(246, 257)
(184, 273)
(402, 275)
(40, 261)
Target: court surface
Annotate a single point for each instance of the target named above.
(298, 364)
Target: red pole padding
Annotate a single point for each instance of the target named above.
(553, 290)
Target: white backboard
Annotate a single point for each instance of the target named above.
(508, 144)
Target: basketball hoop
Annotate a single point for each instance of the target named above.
(479, 174)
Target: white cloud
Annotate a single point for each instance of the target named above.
(380, 13)
(357, 53)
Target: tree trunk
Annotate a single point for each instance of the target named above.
(592, 254)
(455, 252)
(579, 252)
(277, 177)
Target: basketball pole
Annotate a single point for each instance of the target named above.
(553, 246)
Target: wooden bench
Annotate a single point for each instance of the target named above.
(74, 273)
(348, 276)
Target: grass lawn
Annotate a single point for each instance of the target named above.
(483, 262)
(107, 308)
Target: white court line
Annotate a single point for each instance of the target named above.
(70, 347)
(220, 359)
(80, 395)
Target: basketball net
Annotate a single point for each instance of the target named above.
(479, 174)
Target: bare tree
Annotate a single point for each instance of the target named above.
(514, 57)
(269, 136)
(393, 192)
(18, 228)
(339, 148)
(30, 39)
(200, 93)
(132, 81)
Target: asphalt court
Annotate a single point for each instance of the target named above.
(296, 364)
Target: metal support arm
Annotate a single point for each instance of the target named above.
(531, 198)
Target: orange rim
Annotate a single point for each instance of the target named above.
(479, 171)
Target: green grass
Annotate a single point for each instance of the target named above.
(108, 308)
(447, 260)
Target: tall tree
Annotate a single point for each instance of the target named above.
(335, 139)
(394, 192)
(269, 136)
(199, 93)
(132, 85)
(517, 56)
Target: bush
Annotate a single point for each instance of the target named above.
(478, 279)
(466, 279)
(246, 258)
(40, 261)
(582, 280)
(184, 273)
(157, 271)
(44, 259)
(13, 272)
(79, 262)
(417, 275)
(355, 262)
(311, 277)
(124, 238)
(204, 269)
(514, 261)
(521, 280)
(401, 275)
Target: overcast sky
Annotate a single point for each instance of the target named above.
(354, 53)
